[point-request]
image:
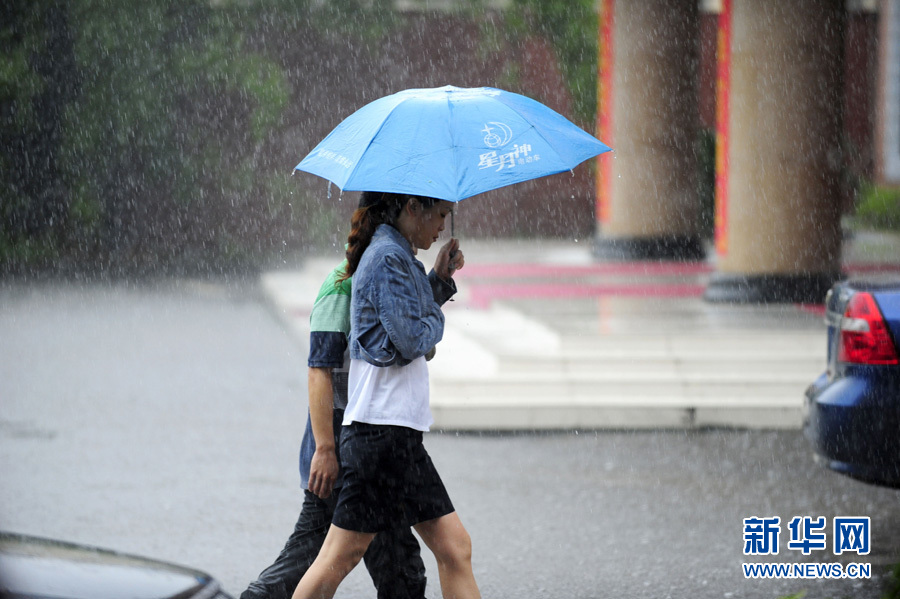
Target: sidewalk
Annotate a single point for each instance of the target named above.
(542, 336)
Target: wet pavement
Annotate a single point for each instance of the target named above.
(165, 419)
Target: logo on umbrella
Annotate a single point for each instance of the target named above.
(494, 139)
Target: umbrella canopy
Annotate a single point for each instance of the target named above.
(449, 143)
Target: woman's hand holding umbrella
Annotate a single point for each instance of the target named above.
(449, 259)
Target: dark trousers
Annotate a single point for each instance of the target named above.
(393, 559)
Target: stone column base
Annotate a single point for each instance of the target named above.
(674, 247)
(806, 288)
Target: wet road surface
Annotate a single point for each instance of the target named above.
(164, 420)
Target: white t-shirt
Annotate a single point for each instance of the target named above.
(393, 395)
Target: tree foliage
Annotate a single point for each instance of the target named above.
(571, 27)
(144, 136)
(132, 127)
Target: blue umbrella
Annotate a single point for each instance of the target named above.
(449, 143)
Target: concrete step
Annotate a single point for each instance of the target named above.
(505, 330)
(515, 367)
(519, 347)
(506, 369)
(735, 343)
(623, 411)
(749, 367)
(599, 385)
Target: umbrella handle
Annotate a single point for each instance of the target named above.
(452, 235)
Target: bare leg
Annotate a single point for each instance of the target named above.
(340, 553)
(452, 548)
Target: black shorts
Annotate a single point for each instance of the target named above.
(389, 480)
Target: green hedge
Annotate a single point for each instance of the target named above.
(878, 207)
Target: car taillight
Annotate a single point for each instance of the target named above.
(865, 338)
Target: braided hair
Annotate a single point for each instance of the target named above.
(375, 208)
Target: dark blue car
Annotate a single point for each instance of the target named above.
(36, 568)
(852, 411)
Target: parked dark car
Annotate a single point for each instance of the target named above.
(852, 411)
(36, 568)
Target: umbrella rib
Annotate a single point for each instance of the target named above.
(370, 142)
(453, 145)
(553, 145)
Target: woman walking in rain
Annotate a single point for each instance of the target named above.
(393, 558)
(396, 319)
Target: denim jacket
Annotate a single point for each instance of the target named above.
(395, 313)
